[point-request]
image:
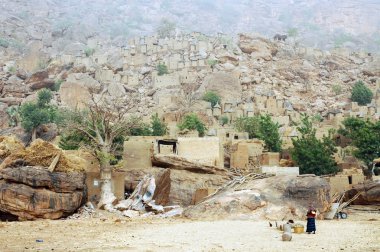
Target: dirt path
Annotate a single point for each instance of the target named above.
(185, 235)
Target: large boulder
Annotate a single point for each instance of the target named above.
(176, 187)
(370, 193)
(258, 48)
(33, 192)
(74, 95)
(226, 85)
(276, 198)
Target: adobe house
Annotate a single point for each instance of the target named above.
(345, 180)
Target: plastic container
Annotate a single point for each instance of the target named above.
(298, 230)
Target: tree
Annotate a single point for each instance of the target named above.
(268, 131)
(261, 127)
(311, 154)
(34, 114)
(212, 97)
(249, 125)
(361, 94)
(192, 122)
(166, 28)
(104, 124)
(365, 136)
(159, 128)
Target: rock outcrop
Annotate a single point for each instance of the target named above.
(370, 193)
(275, 198)
(33, 192)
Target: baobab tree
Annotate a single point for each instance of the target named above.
(102, 123)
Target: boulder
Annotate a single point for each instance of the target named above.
(85, 80)
(279, 197)
(226, 85)
(116, 89)
(59, 182)
(38, 76)
(74, 95)
(258, 48)
(178, 186)
(370, 193)
(48, 83)
(33, 193)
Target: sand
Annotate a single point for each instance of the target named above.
(361, 232)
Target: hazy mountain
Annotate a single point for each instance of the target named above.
(320, 23)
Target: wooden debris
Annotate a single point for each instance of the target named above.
(54, 163)
(237, 181)
(179, 163)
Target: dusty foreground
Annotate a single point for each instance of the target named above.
(359, 233)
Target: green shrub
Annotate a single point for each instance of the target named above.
(12, 69)
(361, 94)
(261, 127)
(337, 89)
(89, 51)
(159, 128)
(162, 69)
(57, 85)
(223, 120)
(212, 97)
(192, 122)
(212, 62)
(4, 43)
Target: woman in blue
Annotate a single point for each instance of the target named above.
(311, 214)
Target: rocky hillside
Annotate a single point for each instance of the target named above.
(324, 24)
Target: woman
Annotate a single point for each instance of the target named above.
(311, 214)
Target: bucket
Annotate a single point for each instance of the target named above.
(330, 215)
(298, 230)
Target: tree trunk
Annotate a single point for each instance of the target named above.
(34, 134)
(106, 194)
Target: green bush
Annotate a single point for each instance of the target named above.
(4, 43)
(57, 85)
(223, 120)
(261, 127)
(89, 51)
(162, 69)
(313, 155)
(337, 89)
(212, 97)
(192, 122)
(212, 62)
(159, 128)
(361, 94)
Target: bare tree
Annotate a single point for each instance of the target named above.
(101, 123)
(188, 97)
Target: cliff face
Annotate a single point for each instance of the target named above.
(320, 23)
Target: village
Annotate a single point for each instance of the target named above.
(185, 188)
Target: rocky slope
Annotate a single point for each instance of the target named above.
(325, 24)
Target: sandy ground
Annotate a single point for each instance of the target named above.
(361, 232)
